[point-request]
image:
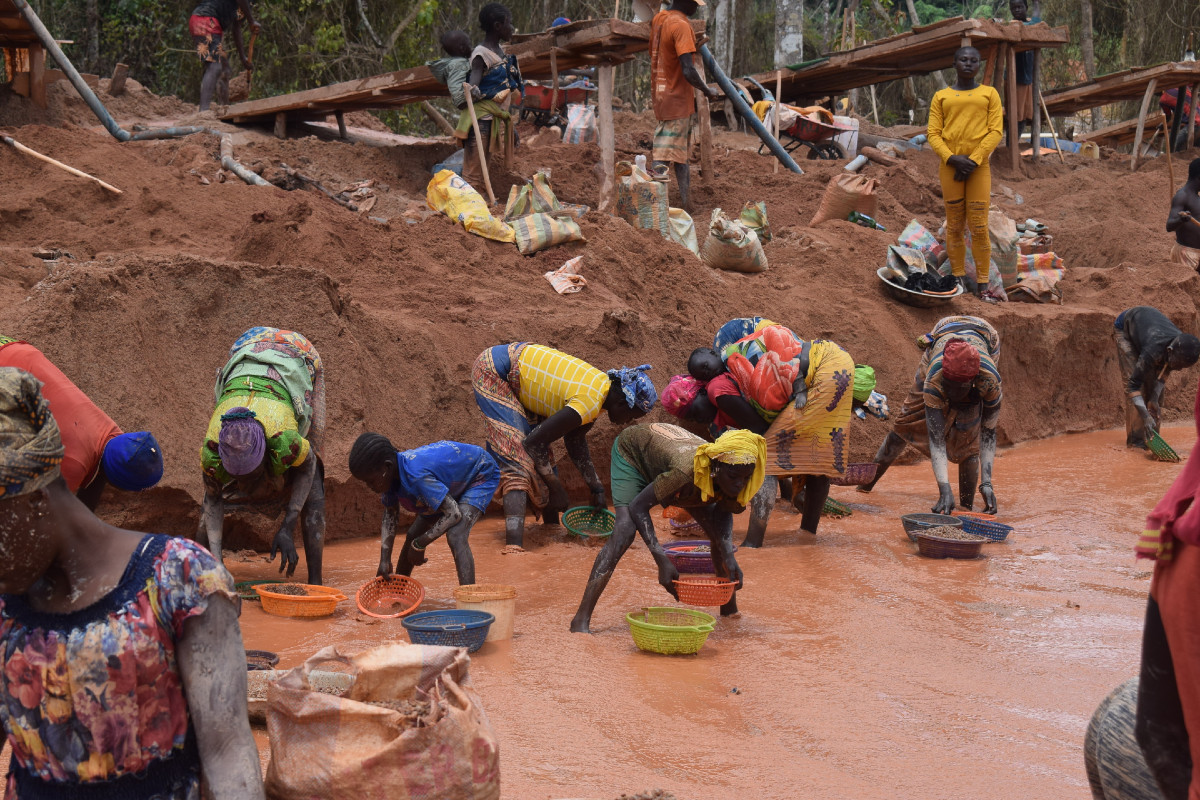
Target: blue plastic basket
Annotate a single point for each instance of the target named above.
(449, 628)
(990, 529)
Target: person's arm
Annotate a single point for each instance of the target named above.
(477, 70)
(581, 457)
(537, 444)
(987, 454)
(692, 76)
(387, 535)
(935, 420)
(995, 129)
(450, 515)
(237, 41)
(639, 512)
(800, 384)
(212, 516)
(212, 666)
(1179, 214)
(934, 130)
(1133, 389)
(90, 495)
(284, 544)
(742, 413)
(724, 545)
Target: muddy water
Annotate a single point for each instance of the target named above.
(862, 669)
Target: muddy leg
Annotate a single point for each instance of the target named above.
(760, 512)
(602, 570)
(888, 452)
(683, 178)
(1160, 729)
(718, 527)
(514, 518)
(312, 528)
(816, 491)
(968, 479)
(458, 538)
(408, 557)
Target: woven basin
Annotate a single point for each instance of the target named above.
(915, 299)
(705, 590)
(833, 508)
(689, 558)
(937, 547)
(984, 525)
(321, 601)
(589, 522)
(856, 474)
(261, 660)
(246, 589)
(1159, 448)
(389, 596)
(670, 631)
(915, 523)
(450, 628)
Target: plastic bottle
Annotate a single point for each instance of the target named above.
(919, 140)
(639, 161)
(858, 218)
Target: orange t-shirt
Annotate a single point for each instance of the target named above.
(84, 428)
(671, 36)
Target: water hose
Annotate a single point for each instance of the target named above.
(743, 109)
(110, 124)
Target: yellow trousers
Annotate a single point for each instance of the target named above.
(967, 205)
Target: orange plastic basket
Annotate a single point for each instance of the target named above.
(704, 590)
(389, 596)
(321, 601)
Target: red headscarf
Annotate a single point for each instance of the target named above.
(960, 361)
(1175, 516)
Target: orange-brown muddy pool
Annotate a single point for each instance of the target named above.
(862, 669)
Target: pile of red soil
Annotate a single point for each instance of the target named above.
(161, 280)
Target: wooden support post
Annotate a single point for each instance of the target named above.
(1053, 132)
(116, 84)
(1010, 90)
(554, 82)
(989, 72)
(442, 123)
(778, 105)
(510, 142)
(1035, 131)
(1170, 161)
(37, 75)
(281, 125)
(1141, 126)
(340, 116)
(604, 123)
(1191, 134)
(483, 166)
(704, 123)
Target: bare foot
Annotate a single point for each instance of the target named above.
(512, 549)
(580, 626)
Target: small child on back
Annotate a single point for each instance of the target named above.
(455, 69)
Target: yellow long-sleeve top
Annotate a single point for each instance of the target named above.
(965, 123)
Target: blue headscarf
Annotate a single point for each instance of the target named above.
(638, 388)
(560, 21)
(133, 461)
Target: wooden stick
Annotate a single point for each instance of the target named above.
(8, 140)
(1170, 167)
(442, 123)
(1191, 128)
(1053, 133)
(1010, 90)
(604, 125)
(250, 58)
(1141, 128)
(778, 105)
(554, 83)
(487, 180)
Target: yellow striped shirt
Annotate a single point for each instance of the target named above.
(552, 380)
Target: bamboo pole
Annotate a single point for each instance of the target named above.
(8, 140)
(1141, 126)
(1053, 132)
(487, 180)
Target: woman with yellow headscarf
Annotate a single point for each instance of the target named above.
(660, 464)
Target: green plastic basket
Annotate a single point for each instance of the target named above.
(1160, 449)
(670, 631)
(835, 509)
(245, 589)
(589, 522)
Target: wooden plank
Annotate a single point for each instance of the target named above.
(1120, 133)
(1137, 140)
(37, 75)
(989, 72)
(1010, 87)
(1191, 134)
(116, 84)
(604, 124)
(1120, 86)
(1035, 129)
(281, 125)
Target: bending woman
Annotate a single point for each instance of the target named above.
(124, 673)
(448, 485)
(965, 125)
(661, 464)
(532, 395)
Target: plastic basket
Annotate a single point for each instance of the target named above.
(856, 474)
(984, 525)
(670, 631)
(833, 508)
(245, 589)
(705, 590)
(451, 628)
(321, 601)
(589, 522)
(688, 557)
(682, 528)
(937, 547)
(1160, 449)
(261, 659)
(915, 523)
(497, 599)
(389, 596)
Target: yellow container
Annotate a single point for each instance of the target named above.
(495, 598)
(1089, 150)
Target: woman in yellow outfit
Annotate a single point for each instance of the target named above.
(965, 125)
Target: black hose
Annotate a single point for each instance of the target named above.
(739, 103)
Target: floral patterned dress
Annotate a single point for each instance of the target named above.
(93, 701)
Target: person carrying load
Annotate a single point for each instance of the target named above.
(265, 436)
(96, 452)
(1149, 347)
(494, 78)
(660, 464)
(951, 411)
(532, 395)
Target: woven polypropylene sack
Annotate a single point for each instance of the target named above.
(581, 124)
(844, 193)
(642, 202)
(538, 231)
(731, 245)
(331, 747)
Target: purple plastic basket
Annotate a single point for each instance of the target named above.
(686, 561)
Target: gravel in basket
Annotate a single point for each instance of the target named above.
(948, 542)
(915, 523)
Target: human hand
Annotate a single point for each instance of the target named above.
(283, 545)
(989, 498)
(413, 555)
(712, 93)
(945, 503)
(385, 567)
(255, 27)
(735, 574)
(559, 499)
(247, 64)
(667, 575)
(598, 497)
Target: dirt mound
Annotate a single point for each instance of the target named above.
(161, 279)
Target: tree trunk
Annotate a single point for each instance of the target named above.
(724, 34)
(93, 36)
(912, 13)
(1088, 49)
(789, 32)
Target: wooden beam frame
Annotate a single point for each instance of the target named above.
(1141, 128)
(604, 125)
